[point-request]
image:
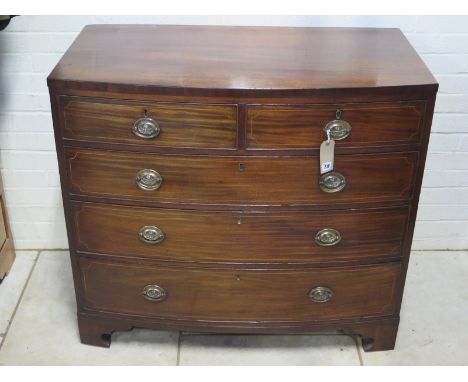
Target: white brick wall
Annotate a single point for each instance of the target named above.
(31, 46)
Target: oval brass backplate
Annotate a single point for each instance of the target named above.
(320, 294)
(327, 237)
(339, 129)
(146, 128)
(154, 293)
(148, 179)
(151, 234)
(332, 182)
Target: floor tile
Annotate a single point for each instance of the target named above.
(12, 286)
(434, 314)
(214, 349)
(44, 330)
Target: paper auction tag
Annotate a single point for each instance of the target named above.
(327, 153)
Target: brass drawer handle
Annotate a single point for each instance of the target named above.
(154, 293)
(146, 128)
(151, 234)
(339, 129)
(332, 182)
(320, 294)
(327, 237)
(148, 179)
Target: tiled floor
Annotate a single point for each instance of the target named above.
(38, 325)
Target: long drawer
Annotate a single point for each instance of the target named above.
(240, 181)
(258, 237)
(302, 126)
(240, 295)
(158, 124)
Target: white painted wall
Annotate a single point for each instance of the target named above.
(32, 45)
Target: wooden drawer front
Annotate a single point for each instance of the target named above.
(219, 180)
(240, 295)
(290, 127)
(182, 125)
(250, 237)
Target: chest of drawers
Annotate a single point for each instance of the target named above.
(189, 164)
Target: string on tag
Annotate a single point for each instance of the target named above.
(328, 136)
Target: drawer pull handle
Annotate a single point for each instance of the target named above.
(148, 179)
(320, 294)
(327, 237)
(151, 234)
(332, 182)
(146, 128)
(339, 129)
(154, 293)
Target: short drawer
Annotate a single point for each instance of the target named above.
(240, 295)
(239, 180)
(303, 126)
(250, 237)
(154, 124)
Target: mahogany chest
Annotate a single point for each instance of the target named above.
(189, 160)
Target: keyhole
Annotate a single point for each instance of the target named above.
(338, 114)
(239, 221)
(241, 167)
(145, 113)
(237, 277)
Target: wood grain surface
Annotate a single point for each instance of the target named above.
(219, 180)
(181, 124)
(238, 236)
(240, 59)
(240, 295)
(302, 126)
